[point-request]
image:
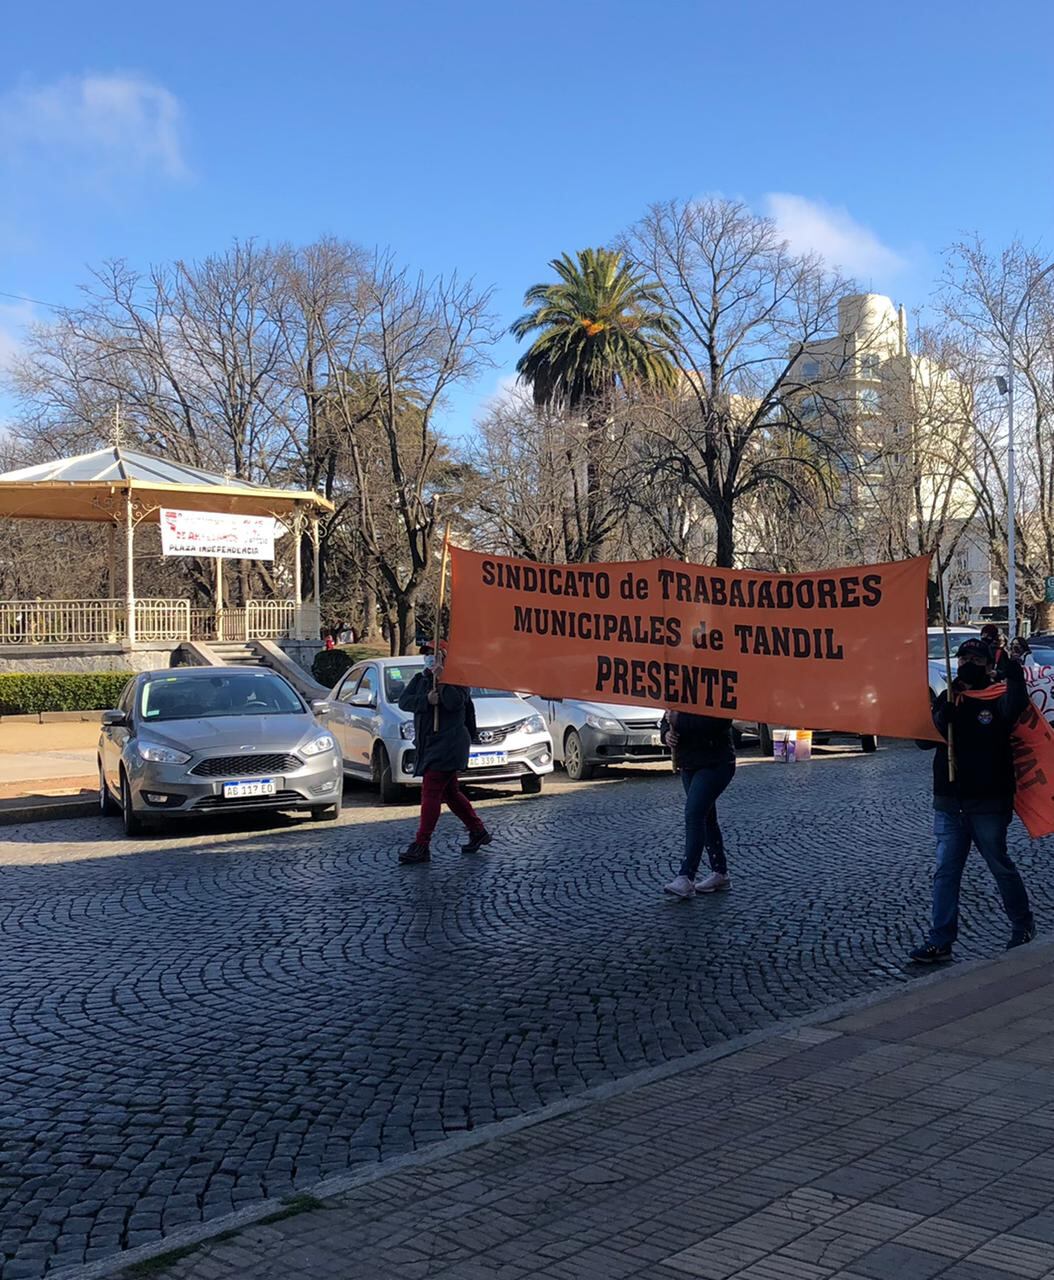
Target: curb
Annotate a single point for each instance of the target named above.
(195, 1234)
(47, 809)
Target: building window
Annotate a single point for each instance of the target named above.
(811, 407)
(869, 366)
(810, 370)
(868, 400)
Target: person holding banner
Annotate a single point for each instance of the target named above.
(444, 721)
(706, 759)
(973, 800)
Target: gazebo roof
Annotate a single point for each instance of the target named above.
(93, 486)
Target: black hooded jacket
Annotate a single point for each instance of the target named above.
(984, 762)
(447, 749)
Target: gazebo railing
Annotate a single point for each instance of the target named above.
(158, 620)
(28, 622)
(40, 622)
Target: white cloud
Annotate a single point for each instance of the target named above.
(112, 122)
(15, 319)
(507, 390)
(811, 226)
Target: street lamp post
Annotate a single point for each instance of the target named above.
(1011, 459)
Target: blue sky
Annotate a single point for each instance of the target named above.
(490, 137)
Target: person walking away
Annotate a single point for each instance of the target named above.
(996, 641)
(441, 755)
(706, 760)
(976, 806)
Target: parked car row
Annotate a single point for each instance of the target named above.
(193, 741)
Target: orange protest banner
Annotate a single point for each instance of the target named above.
(1032, 743)
(838, 649)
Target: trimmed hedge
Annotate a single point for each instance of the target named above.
(330, 664)
(29, 694)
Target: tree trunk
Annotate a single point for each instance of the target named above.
(371, 624)
(404, 629)
(726, 548)
(594, 441)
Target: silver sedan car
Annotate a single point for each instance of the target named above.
(206, 740)
(588, 735)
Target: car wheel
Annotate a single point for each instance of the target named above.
(765, 739)
(531, 784)
(868, 743)
(326, 812)
(578, 768)
(107, 807)
(737, 737)
(391, 792)
(133, 824)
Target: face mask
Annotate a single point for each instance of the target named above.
(430, 662)
(973, 676)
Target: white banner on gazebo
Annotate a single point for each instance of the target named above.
(215, 534)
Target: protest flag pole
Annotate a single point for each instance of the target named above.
(947, 664)
(439, 613)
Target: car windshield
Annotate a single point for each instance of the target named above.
(397, 678)
(955, 638)
(231, 694)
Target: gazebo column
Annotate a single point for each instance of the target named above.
(298, 574)
(316, 559)
(218, 598)
(129, 552)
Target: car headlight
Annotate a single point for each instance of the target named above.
(324, 742)
(535, 724)
(604, 723)
(406, 730)
(164, 755)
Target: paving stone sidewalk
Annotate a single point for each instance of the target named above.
(909, 1140)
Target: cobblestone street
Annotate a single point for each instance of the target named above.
(197, 1022)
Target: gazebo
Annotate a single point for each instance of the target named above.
(123, 488)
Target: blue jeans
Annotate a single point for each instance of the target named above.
(701, 790)
(954, 832)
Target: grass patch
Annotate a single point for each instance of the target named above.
(154, 1266)
(291, 1207)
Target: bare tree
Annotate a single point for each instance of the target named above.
(746, 307)
(981, 293)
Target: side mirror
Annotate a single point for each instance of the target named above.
(367, 700)
(113, 718)
(320, 707)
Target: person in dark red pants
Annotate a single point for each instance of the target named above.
(441, 755)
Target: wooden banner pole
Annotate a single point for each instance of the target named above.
(439, 615)
(947, 665)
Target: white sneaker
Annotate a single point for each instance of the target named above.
(713, 883)
(682, 887)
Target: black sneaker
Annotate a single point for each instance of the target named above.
(476, 841)
(929, 954)
(415, 853)
(1020, 936)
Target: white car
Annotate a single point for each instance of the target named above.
(935, 653)
(588, 735)
(377, 738)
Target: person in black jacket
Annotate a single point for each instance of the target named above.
(977, 805)
(441, 754)
(704, 754)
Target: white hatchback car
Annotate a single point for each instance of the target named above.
(377, 739)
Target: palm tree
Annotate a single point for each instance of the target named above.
(600, 327)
